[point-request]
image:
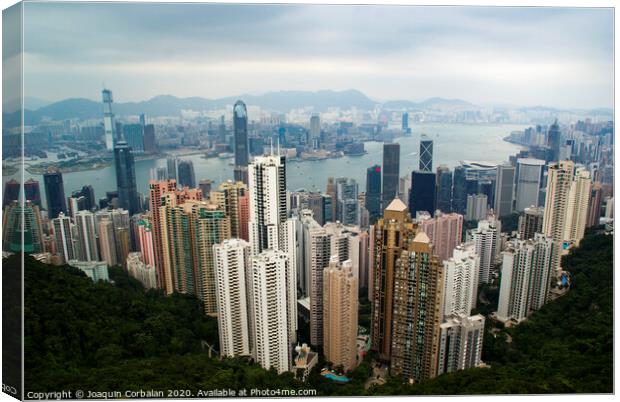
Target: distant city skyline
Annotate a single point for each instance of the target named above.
(561, 57)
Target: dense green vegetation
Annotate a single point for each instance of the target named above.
(118, 336)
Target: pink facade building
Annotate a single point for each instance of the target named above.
(445, 232)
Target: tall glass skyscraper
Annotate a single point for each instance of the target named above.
(391, 168)
(187, 177)
(426, 154)
(126, 178)
(553, 142)
(240, 125)
(459, 190)
(444, 189)
(54, 193)
(134, 135)
(108, 120)
(373, 192)
(422, 196)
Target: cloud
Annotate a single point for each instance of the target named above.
(554, 56)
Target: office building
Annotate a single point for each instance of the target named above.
(32, 192)
(347, 193)
(526, 275)
(476, 207)
(240, 127)
(426, 154)
(459, 190)
(529, 180)
(171, 162)
(486, 238)
(391, 171)
(54, 193)
(232, 266)
(422, 196)
(108, 120)
(460, 345)
(11, 192)
(272, 304)
(315, 130)
(150, 146)
(17, 237)
(444, 189)
(186, 175)
(134, 136)
(445, 231)
(553, 142)
(391, 235)
(405, 123)
(530, 223)
(418, 297)
(461, 283)
(373, 192)
(126, 178)
(340, 290)
(205, 185)
(504, 190)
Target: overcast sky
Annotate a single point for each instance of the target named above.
(526, 56)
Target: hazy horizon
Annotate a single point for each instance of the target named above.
(556, 57)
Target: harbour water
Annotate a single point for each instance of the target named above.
(452, 143)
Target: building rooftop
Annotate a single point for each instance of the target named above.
(396, 205)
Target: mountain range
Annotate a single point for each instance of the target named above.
(168, 105)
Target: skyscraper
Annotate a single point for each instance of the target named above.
(146, 242)
(108, 120)
(529, 178)
(240, 125)
(526, 274)
(418, 310)
(86, 228)
(391, 171)
(316, 259)
(172, 167)
(460, 343)
(476, 207)
(227, 198)
(391, 236)
(459, 192)
(486, 238)
(461, 283)
(12, 228)
(373, 192)
(347, 192)
(205, 185)
(530, 223)
(269, 309)
(187, 177)
(504, 190)
(11, 192)
(150, 146)
(268, 214)
(315, 130)
(32, 192)
(596, 204)
(422, 196)
(232, 266)
(445, 232)
(134, 136)
(553, 142)
(444, 189)
(66, 237)
(577, 209)
(340, 289)
(405, 123)
(426, 154)
(54, 193)
(107, 246)
(126, 178)
(559, 181)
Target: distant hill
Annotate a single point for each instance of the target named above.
(432, 103)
